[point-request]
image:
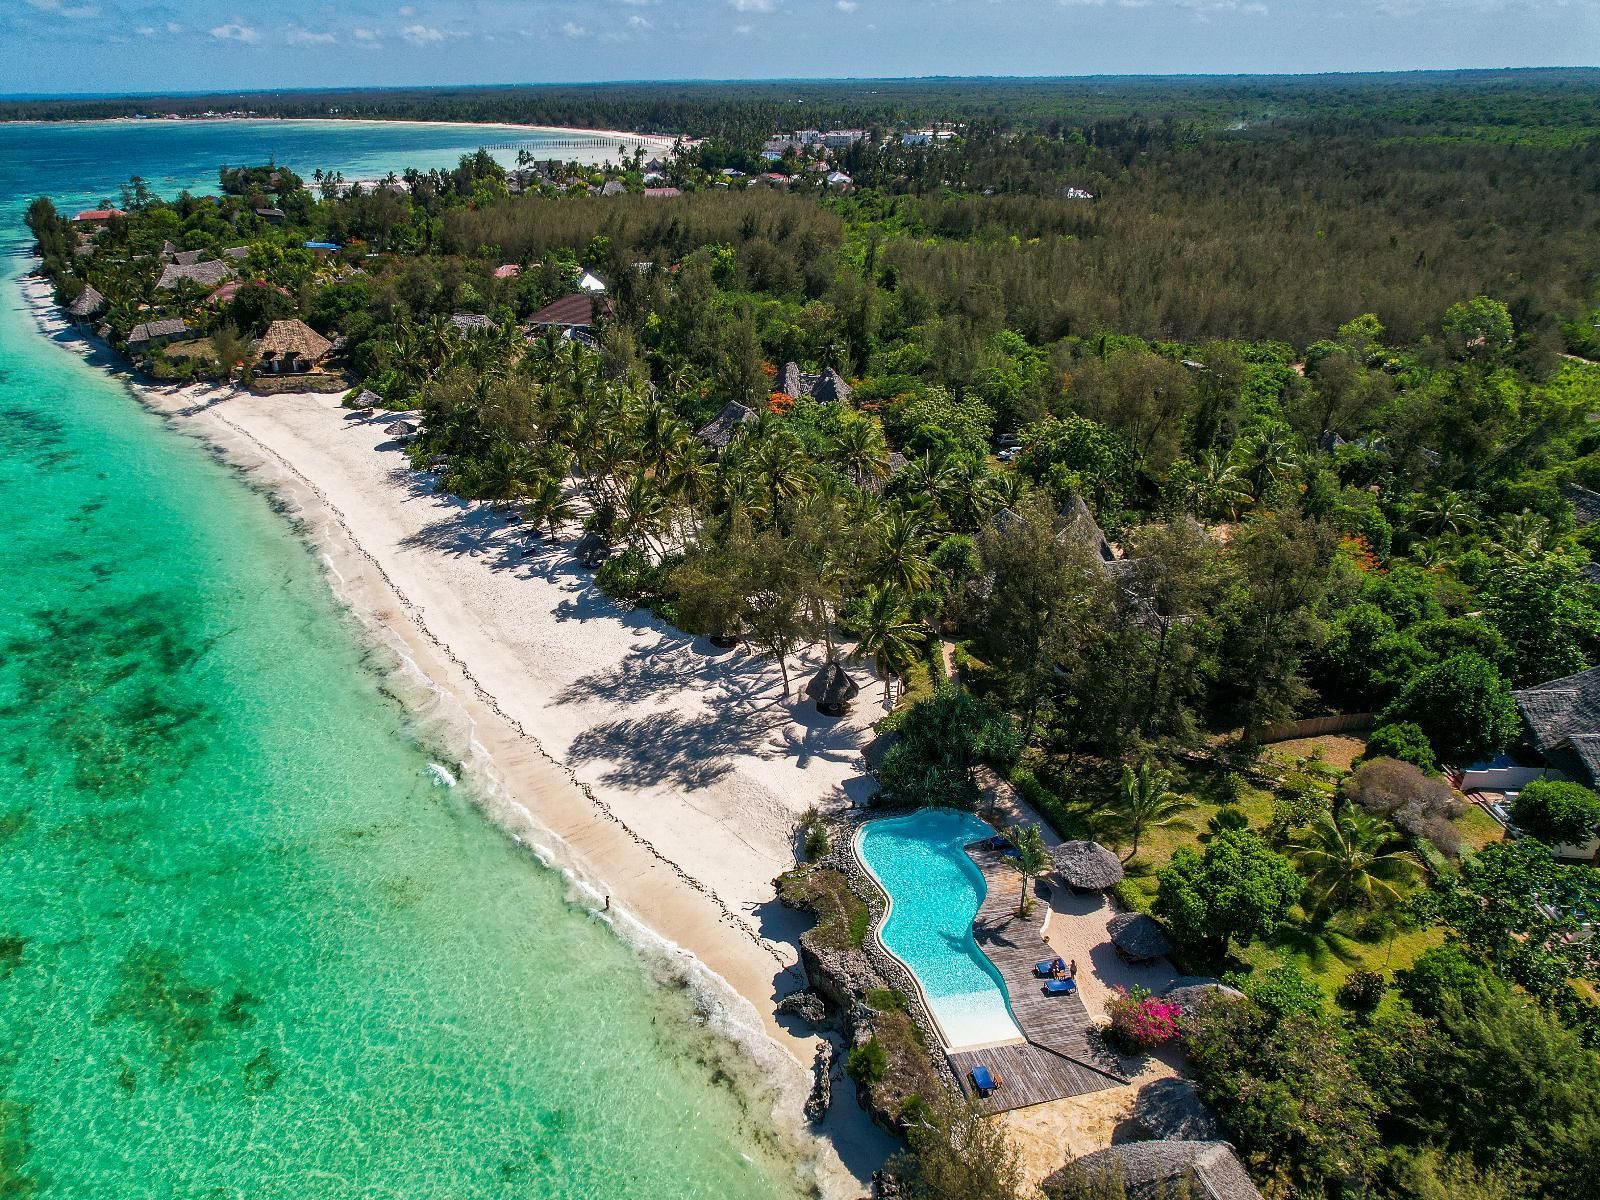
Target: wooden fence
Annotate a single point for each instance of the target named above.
(1317, 727)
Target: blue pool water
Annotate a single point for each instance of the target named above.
(935, 891)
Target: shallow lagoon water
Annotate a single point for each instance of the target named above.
(250, 945)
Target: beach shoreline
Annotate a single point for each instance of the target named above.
(665, 779)
(660, 141)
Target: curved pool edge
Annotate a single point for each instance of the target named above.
(948, 1044)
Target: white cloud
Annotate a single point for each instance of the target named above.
(638, 23)
(72, 12)
(574, 30)
(174, 27)
(146, 31)
(235, 32)
(761, 6)
(744, 30)
(421, 35)
(846, 5)
(405, 10)
(297, 36)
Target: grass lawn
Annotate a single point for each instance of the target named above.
(1326, 959)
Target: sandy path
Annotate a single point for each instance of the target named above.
(662, 773)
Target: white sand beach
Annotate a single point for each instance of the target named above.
(667, 775)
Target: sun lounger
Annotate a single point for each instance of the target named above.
(998, 843)
(1060, 987)
(1048, 967)
(984, 1081)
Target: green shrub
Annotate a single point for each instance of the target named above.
(1404, 741)
(1361, 991)
(887, 1000)
(1558, 813)
(1283, 991)
(867, 1063)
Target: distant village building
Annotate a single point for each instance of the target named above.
(272, 216)
(840, 181)
(507, 271)
(662, 193)
(97, 216)
(291, 348)
(590, 282)
(842, 139)
(613, 187)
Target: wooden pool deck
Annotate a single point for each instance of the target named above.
(1059, 1058)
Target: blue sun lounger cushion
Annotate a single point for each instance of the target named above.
(983, 1080)
(1060, 987)
(1048, 967)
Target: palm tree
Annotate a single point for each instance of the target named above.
(1032, 860)
(882, 621)
(860, 451)
(1524, 535)
(1221, 488)
(1447, 512)
(1352, 860)
(1267, 458)
(550, 506)
(1145, 801)
(904, 560)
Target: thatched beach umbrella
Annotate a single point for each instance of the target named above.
(1172, 1109)
(1137, 937)
(1087, 866)
(591, 550)
(368, 399)
(832, 689)
(400, 429)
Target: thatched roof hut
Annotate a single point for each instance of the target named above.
(1137, 937)
(1087, 866)
(832, 688)
(203, 274)
(725, 426)
(290, 347)
(1170, 1109)
(1188, 993)
(1155, 1169)
(88, 305)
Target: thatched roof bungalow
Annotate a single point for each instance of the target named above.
(291, 348)
(720, 431)
(1148, 1170)
(88, 305)
(1087, 866)
(832, 689)
(156, 333)
(1137, 937)
(825, 387)
(1190, 992)
(204, 274)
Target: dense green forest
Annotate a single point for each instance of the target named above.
(1555, 104)
(1173, 430)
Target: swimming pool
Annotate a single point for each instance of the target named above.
(934, 891)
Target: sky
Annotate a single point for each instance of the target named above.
(79, 46)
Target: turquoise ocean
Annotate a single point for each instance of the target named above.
(250, 946)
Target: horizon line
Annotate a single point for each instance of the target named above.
(347, 89)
